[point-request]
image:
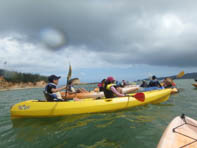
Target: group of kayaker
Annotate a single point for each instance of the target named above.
(109, 86)
(154, 82)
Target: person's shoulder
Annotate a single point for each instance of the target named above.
(50, 85)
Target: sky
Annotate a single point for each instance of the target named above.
(126, 39)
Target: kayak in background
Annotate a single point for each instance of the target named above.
(82, 95)
(180, 133)
(152, 88)
(174, 90)
(195, 85)
(35, 108)
(93, 94)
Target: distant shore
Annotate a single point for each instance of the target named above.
(6, 86)
(9, 89)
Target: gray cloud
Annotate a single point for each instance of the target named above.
(123, 32)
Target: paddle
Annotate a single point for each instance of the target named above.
(139, 96)
(69, 73)
(74, 81)
(181, 74)
(68, 78)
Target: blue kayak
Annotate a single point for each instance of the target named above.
(152, 88)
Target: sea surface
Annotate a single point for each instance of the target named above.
(139, 127)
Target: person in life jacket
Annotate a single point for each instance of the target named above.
(101, 85)
(52, 90)
(110, 89)
(144, 84)
(154, 82)
(169, 83)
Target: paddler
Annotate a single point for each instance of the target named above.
(111, 90)
(101, 85)
(169, 83)
(144, 84)
(51, 89)
(154, 82)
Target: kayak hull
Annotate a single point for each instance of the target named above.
(174, 90)
(34, 108)
(174, 138)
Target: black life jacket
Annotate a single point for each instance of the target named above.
(48, 94)
(107, 91)
(154, 83)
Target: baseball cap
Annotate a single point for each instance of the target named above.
(53, 77)
(154, 77)
(110, 79)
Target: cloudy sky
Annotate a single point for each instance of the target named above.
(129, 39)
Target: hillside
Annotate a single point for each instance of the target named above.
(192, 75)
(17, 77)
(16, 80)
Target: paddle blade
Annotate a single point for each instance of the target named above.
(69, 73)
(74, 81)
(139, 97)
(181, 74)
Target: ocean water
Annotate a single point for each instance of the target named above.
(139, 127)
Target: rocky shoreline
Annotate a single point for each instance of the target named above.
(4, 86)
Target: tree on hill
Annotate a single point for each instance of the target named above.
(17, 77)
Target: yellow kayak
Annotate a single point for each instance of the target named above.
(35, 108)
(180, 133)
(174, 90)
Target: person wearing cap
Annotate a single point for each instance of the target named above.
(154, 82)
(51, 88)
(111, 90)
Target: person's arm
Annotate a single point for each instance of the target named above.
(113, 89)
(54, 90)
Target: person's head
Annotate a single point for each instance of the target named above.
(53, 79)
(154, 77)
(164, 80)
(103, 81)
(168, 81)
(110, 79)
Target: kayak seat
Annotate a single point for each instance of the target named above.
(50, 98)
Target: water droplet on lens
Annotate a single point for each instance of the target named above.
(53, 38)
